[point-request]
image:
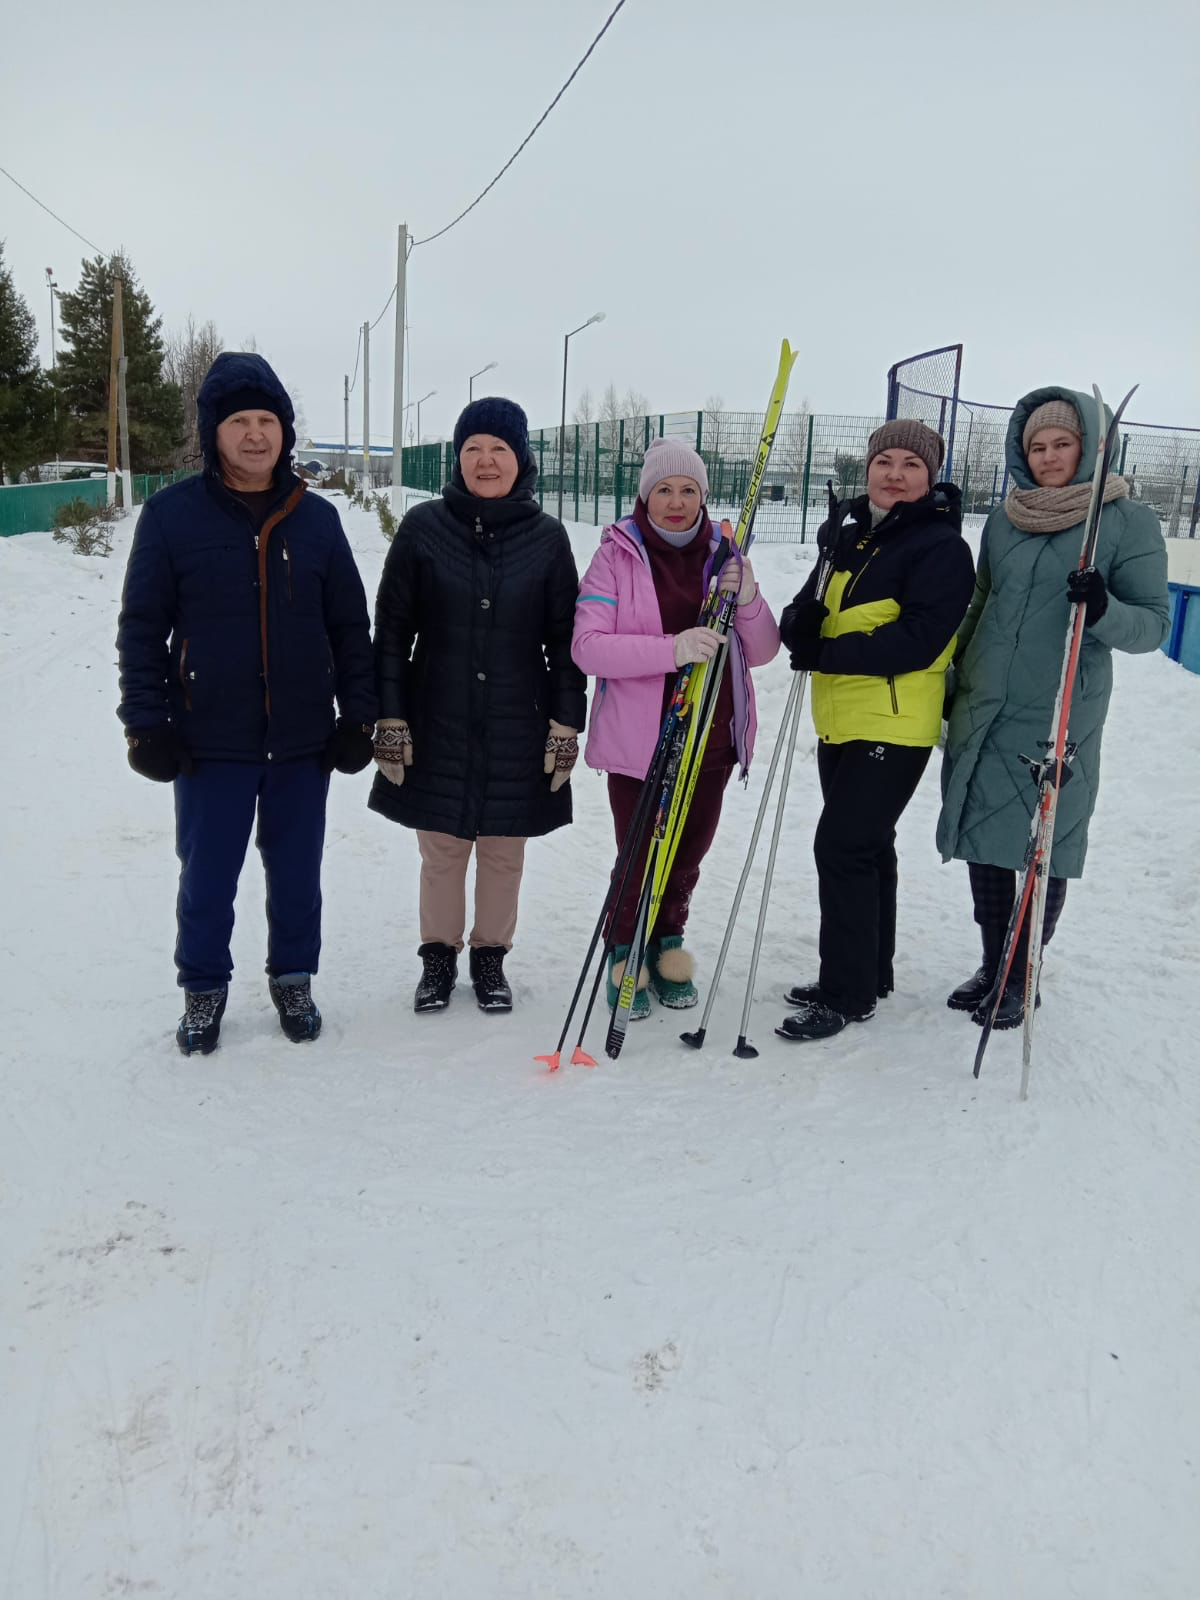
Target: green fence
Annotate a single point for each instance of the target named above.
(601, 463)
(30, 507)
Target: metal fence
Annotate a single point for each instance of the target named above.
(30, 507)
(601, 462)
(1161, 463)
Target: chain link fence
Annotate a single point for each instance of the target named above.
(601, 461)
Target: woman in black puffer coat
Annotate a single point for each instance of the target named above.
(481, 703)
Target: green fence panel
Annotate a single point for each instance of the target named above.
(30, 507)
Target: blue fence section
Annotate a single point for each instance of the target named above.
(1183, 642)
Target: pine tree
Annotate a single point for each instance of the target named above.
(156, 428)
(25, 399)
(187, 357)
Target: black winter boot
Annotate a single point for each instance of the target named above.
(976, 989)
(803, 994)
(1011, 1011)
(492, 992)
(820, 1019)
(200, 1025)
(291, 995)
(438, 978)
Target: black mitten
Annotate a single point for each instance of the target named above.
(350, 747)
(1087, 587)
(157, 754)
(801, 621)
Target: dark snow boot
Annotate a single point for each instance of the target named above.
(437, 978)
(803, 994)
(976, 989)
(1011, 1010)
(820, 1019)
(487, 978)
(200, 1025)
(291, 995)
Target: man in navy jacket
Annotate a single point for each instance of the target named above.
(243, 618)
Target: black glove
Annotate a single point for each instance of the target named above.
(350, 747)
(158, 754)
(1086, 586)
(801, 620)
(806, 655)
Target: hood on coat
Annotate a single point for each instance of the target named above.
(231, 371)
(1089, 415)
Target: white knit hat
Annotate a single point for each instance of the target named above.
(671, 458)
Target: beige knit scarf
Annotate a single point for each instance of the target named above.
(1052, 510)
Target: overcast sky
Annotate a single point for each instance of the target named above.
(868, 179)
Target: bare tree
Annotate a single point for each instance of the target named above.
(187, 356)
(610, 418)
(791, 451)
(585, 409)
(712, 432)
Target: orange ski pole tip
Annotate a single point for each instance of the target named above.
(553, 1062)
(582, 1059)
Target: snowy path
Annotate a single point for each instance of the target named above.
(397, 1315)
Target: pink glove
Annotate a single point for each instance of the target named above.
(746, 589)
(697, 644)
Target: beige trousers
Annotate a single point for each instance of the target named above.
(498, 866)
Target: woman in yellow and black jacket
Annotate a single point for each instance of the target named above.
(877, 644)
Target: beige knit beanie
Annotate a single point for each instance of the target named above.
(906, 433)
(1052, 414)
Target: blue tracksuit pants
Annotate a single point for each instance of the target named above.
(215, 809)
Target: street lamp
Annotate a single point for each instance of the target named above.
(53, 288)
(479, 374)
(562, 426)
(420, 403)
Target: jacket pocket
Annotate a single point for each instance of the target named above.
(895, 701)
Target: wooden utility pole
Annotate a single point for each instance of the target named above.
(113, 375)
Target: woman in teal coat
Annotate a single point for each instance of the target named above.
(1009, 661)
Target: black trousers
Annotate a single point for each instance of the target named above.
(866, 787)
(993, 890)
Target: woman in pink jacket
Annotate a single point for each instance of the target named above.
(635, 626)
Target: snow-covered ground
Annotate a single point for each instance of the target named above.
(400, 1315)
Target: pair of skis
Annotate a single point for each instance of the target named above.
(1029, 904)
(671, 779)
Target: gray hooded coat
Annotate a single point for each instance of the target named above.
(1009, 661)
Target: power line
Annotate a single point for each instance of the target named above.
(578, 67)
(413, 243)
(388, 302)
(53, 214)
(357, 354)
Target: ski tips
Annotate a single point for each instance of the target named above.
(553, 1062)
(580, 1058)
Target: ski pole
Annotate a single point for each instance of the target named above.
(696, 1037)
(618, 884)
(744, 1051)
